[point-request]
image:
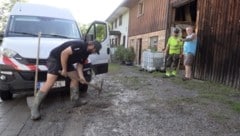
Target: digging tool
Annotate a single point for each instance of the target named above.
(98, 88)
(30, 99)
(178, 65)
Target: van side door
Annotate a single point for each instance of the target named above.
(99, 31)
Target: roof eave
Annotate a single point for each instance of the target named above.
(119, 11)
(122, 8)
(129, 3)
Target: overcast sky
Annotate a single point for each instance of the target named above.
(85, 11)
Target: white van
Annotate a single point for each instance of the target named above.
(18, 50)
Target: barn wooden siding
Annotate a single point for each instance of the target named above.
(218, 57)
(153, 19)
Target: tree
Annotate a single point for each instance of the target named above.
(101, 33)
(5, 8)
(98, 30)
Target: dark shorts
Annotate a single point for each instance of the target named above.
(54, 66)
(188, 59)
(172, 60)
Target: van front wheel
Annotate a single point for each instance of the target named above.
(6, 95)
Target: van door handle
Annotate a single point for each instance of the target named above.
(108, 50)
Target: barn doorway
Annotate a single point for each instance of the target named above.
(181, 14)
(184, 13)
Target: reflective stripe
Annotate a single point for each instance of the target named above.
(19, 66)
(42, 67)
(8, 61)
(31, 67)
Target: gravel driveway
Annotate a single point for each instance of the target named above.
(138, 103)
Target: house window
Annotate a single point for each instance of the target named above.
(120, 20)
(116, 41)
(112, 43)
(116, 23)
(112, 25)
(124, 40)
(140, 8)
(153, 43)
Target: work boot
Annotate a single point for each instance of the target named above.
(74, 97)
(186, 78)
(79, 102)
(74, 93)
(35, 113)
(174, 73)
(167, 75)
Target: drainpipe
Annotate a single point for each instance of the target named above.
(167, 22)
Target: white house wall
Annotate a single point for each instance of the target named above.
(123, 28)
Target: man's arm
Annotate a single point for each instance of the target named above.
(193, 36)
(166, 50)
(64, 58)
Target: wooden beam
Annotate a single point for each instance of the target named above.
(180, 3)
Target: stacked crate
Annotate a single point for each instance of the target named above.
(152, 61)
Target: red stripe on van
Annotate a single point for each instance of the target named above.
(31, 67)
(7, 61)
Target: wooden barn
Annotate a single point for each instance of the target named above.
(217, 24)
(218, 57)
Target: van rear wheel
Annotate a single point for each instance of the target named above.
(6, 95)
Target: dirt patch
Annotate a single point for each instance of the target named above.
(135, 103)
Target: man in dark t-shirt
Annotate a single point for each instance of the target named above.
(61, 62)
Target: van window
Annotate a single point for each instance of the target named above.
(97, 31)
(49, 27)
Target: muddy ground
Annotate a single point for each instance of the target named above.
(138, 103)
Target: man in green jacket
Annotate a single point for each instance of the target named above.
(173, 53)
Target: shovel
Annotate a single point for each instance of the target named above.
(30, 99)
(98, 88)
(178, 65)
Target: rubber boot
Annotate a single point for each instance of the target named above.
(74, 97)
(167, 74)
(35, 113)
(174, 73)
(74, 94)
